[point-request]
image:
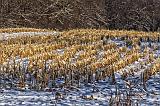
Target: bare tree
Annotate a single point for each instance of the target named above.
(67, 14)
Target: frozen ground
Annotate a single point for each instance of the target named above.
(101, 93)
(5, 36)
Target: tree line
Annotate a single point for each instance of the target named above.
(68, 14)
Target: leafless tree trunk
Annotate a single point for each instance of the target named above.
(68, 14)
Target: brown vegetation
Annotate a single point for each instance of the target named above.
(68, 14)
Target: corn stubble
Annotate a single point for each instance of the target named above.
(76, 56)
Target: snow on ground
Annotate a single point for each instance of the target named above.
(98, 93)
(5, 36)
(101, 93)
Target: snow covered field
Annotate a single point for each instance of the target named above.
(127, 89)
(100, 94)
(5, 36)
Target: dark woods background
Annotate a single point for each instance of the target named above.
(67, 14)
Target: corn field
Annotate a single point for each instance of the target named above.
(45, 60)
